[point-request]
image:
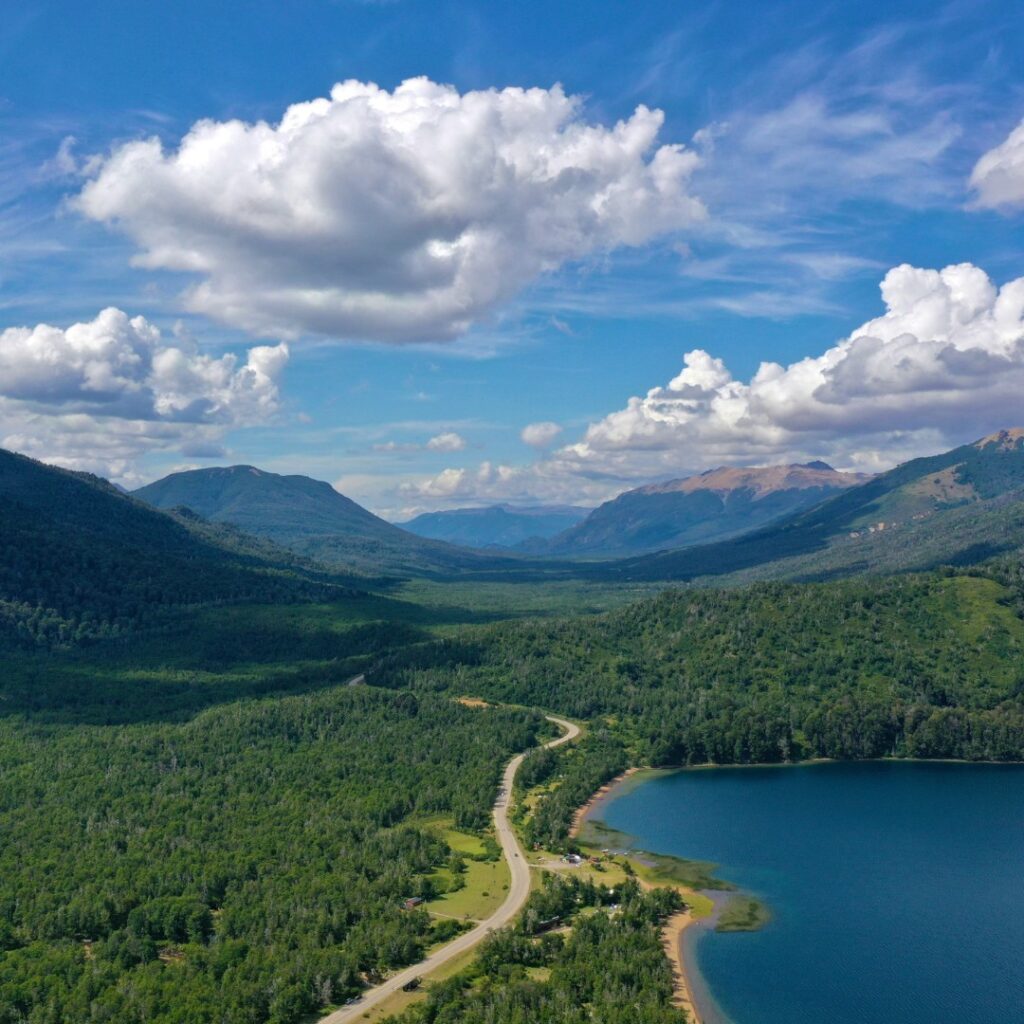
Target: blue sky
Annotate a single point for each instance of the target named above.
(823, 146)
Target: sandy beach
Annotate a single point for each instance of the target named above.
(672, 941)
(675, 926)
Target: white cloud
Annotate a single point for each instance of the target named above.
(99, 394)
(998, 177)
(942, 365)
(395, 216)
(540, 435)
(447, 442)
(945, 361)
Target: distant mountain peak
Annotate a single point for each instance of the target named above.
(954, 508)
(1006, 440)
(762, 480)
(305, 515)
(496, 526)
(713, 505)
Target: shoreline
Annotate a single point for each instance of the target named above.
(690, 990)
(675, 927)
(672, 937)
(583, 812)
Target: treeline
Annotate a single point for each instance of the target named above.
(925, 666)
(246, 866)
(610, 968)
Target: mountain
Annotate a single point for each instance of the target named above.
(309, 517)
(81, 560)
(502, 526)
(715, 505)
(959, 507)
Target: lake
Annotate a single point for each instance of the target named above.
(896, 888)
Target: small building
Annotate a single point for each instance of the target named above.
(412, 902)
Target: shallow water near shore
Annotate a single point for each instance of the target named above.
(896, 888)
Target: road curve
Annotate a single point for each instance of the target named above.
(518, 890)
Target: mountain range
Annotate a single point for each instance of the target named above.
(715, 505)
(496, 526)
(958, 507)
(309, 517)
(79, 559)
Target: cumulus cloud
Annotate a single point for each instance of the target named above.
(487, 480)
(540, 435)
(100, 393)
(447, 442)
(998, 177)
(942, 365)
(945, 360)
(395, 216)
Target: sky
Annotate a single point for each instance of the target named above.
(449, 254)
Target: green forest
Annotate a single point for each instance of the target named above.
(247, 865)
(227, 831)
(610, 967)
(920, 666)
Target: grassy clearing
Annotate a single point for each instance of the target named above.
(653, 868)
(976, 606)
(658, 869)
(486, 885)
(497, 600)
(396, 1003)
(469, 844)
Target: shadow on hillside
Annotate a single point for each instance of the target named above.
(176, 674)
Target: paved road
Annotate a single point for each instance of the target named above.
(518, 890)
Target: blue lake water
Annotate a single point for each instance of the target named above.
(896, 889)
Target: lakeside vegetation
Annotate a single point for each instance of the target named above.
(609, 963)
(742, 914)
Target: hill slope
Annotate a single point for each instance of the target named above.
(715, 505)
(922, 665)
(307, 516)
(79, 559)
(959, 507)
(503, 526)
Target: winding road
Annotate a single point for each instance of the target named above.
(518, 890)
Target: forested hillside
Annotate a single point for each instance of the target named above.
(309, 517)
(243, 827)
(924, 666)
(700, 509)
(960, 507)
(248, 865)
(80, 560)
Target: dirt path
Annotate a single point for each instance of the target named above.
(518, 890)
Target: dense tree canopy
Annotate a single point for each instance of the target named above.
(925, 666)
(610, 967)
(247, 865)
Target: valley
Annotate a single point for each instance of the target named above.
(250, 827)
